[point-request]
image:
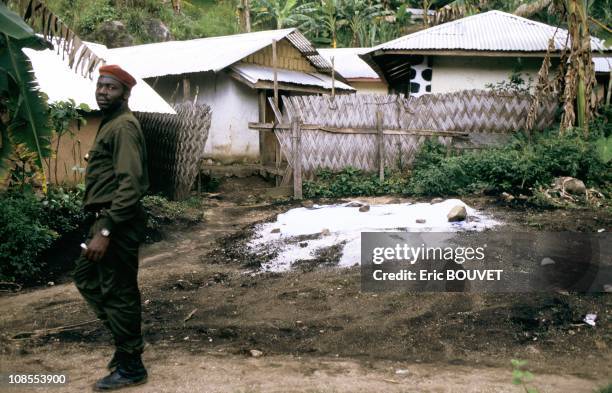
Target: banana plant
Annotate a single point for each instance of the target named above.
(281, 13)
(23, 111)
(361, 17)
(446, 11)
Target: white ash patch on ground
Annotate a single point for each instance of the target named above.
(299, 233)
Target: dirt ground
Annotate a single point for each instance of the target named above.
(205, 309)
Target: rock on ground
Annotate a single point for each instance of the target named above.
(308, 204)
(158, 31)
(457, 213)
(113, 34)
(570, 184)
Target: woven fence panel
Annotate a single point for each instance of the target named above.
(466, 111)
(335, 151)
(474, 112)
(175, 146)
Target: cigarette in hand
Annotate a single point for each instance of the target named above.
(84, 246)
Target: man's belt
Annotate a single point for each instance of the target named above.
(97, 208)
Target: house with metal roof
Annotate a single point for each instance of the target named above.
(468, 53)
(59, 82)
(235, 75)
(357, 72)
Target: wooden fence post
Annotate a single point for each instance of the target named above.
(200, 179)
(381, 145)
(186, 90)
(296, 140)
(277, 151)
(274, 67)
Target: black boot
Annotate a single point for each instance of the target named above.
(129, 372)
(113, 363)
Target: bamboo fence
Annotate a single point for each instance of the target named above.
(175, 146)
(374, 132)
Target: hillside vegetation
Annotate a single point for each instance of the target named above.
(337, 23)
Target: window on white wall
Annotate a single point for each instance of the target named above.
(417, 81)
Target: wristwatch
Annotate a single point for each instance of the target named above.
(105, 232)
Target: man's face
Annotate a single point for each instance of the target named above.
(110, 93)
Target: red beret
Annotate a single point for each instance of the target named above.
(118, 73)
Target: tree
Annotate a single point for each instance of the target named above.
(361, 17)
(276, 12)
(446, 11)
(580, 75)
(323, 21)
(527, 10)
(244, 15)
(24, 122)
(454, 10)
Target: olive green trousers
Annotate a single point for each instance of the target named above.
(110, 286)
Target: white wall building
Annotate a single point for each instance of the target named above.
(234, 75)
(468, 53)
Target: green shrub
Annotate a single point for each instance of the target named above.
(23, 237)
(161, 208)
(605, 389)
(353, 182)
(34, 229)
(136, 24)
(431, 153)
(30, 226)
(197, 19)
(63, 209)
(516, 167)
(94, 14)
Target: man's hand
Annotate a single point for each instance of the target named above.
(96, 249)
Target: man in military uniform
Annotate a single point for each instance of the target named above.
(115, 181)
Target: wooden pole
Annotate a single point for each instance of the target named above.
(381, 145)
(296, 141)
(186, 90)
(274, 66)
(197, 93)
(333, 78)
(277, 146)
(262, 119)
(277, 159)
(609, 89)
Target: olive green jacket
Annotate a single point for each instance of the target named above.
(117, 172)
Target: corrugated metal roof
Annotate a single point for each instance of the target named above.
(208, 54)
(495, 31)
(61, 83)
(348, 63)
(254, 73)
(602, 64)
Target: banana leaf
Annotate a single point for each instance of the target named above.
(27, 110)
(12, 25)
